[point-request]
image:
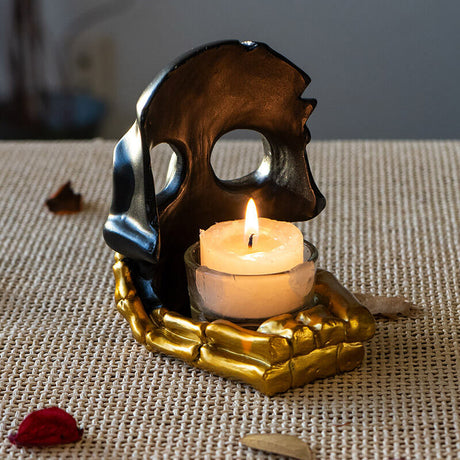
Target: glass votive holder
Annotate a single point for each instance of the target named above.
(248, 300)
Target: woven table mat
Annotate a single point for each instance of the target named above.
(390, 228)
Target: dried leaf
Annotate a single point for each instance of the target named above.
(390, 307)
(65, 200)
(46, 427)
(281, 444)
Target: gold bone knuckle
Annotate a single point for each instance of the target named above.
(302, 338)
(360, 324)
(282, 325)
(303, 341)
(268, 348)
(318, 364)
(126, 308)
(176, 335)
(133, 311)
(184, 327)
(276, 379)
(124, 287)
(328, 328)
(165, 341)
(349, 356)
(157, 315)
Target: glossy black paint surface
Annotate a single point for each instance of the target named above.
(208, 92)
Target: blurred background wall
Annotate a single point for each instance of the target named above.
(379, 69)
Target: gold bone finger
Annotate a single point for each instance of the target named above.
(360, 324)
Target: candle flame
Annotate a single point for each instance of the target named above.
(251, 224)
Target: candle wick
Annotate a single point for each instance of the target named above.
(251, 240)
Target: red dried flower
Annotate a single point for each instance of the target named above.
(46, 427)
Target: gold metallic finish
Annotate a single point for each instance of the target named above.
(266, 378)
(360, 324)
(318, 364)
(302, 337)
(169, 343)
(179, 325)
(124, 288)
(348, 355)
(134, 313)
(285, 352)
(330, 330)
(268, 348)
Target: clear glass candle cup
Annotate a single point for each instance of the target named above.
(248, 299)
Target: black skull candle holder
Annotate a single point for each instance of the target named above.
(210, 91)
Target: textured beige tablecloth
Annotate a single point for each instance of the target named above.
(390, 227)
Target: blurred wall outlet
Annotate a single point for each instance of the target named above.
(92, 68)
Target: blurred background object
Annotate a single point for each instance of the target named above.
(32, 108)
(379, 69)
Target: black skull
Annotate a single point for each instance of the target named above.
(210, 91)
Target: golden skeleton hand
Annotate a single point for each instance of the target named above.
(286, 351)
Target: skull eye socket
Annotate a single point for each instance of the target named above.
(166, 163)
(234, 160)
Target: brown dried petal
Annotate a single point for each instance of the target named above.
(65, 200)
(390, 307)
(281, 444)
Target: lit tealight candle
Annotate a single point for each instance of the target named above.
(253, 246)
(257, 268)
